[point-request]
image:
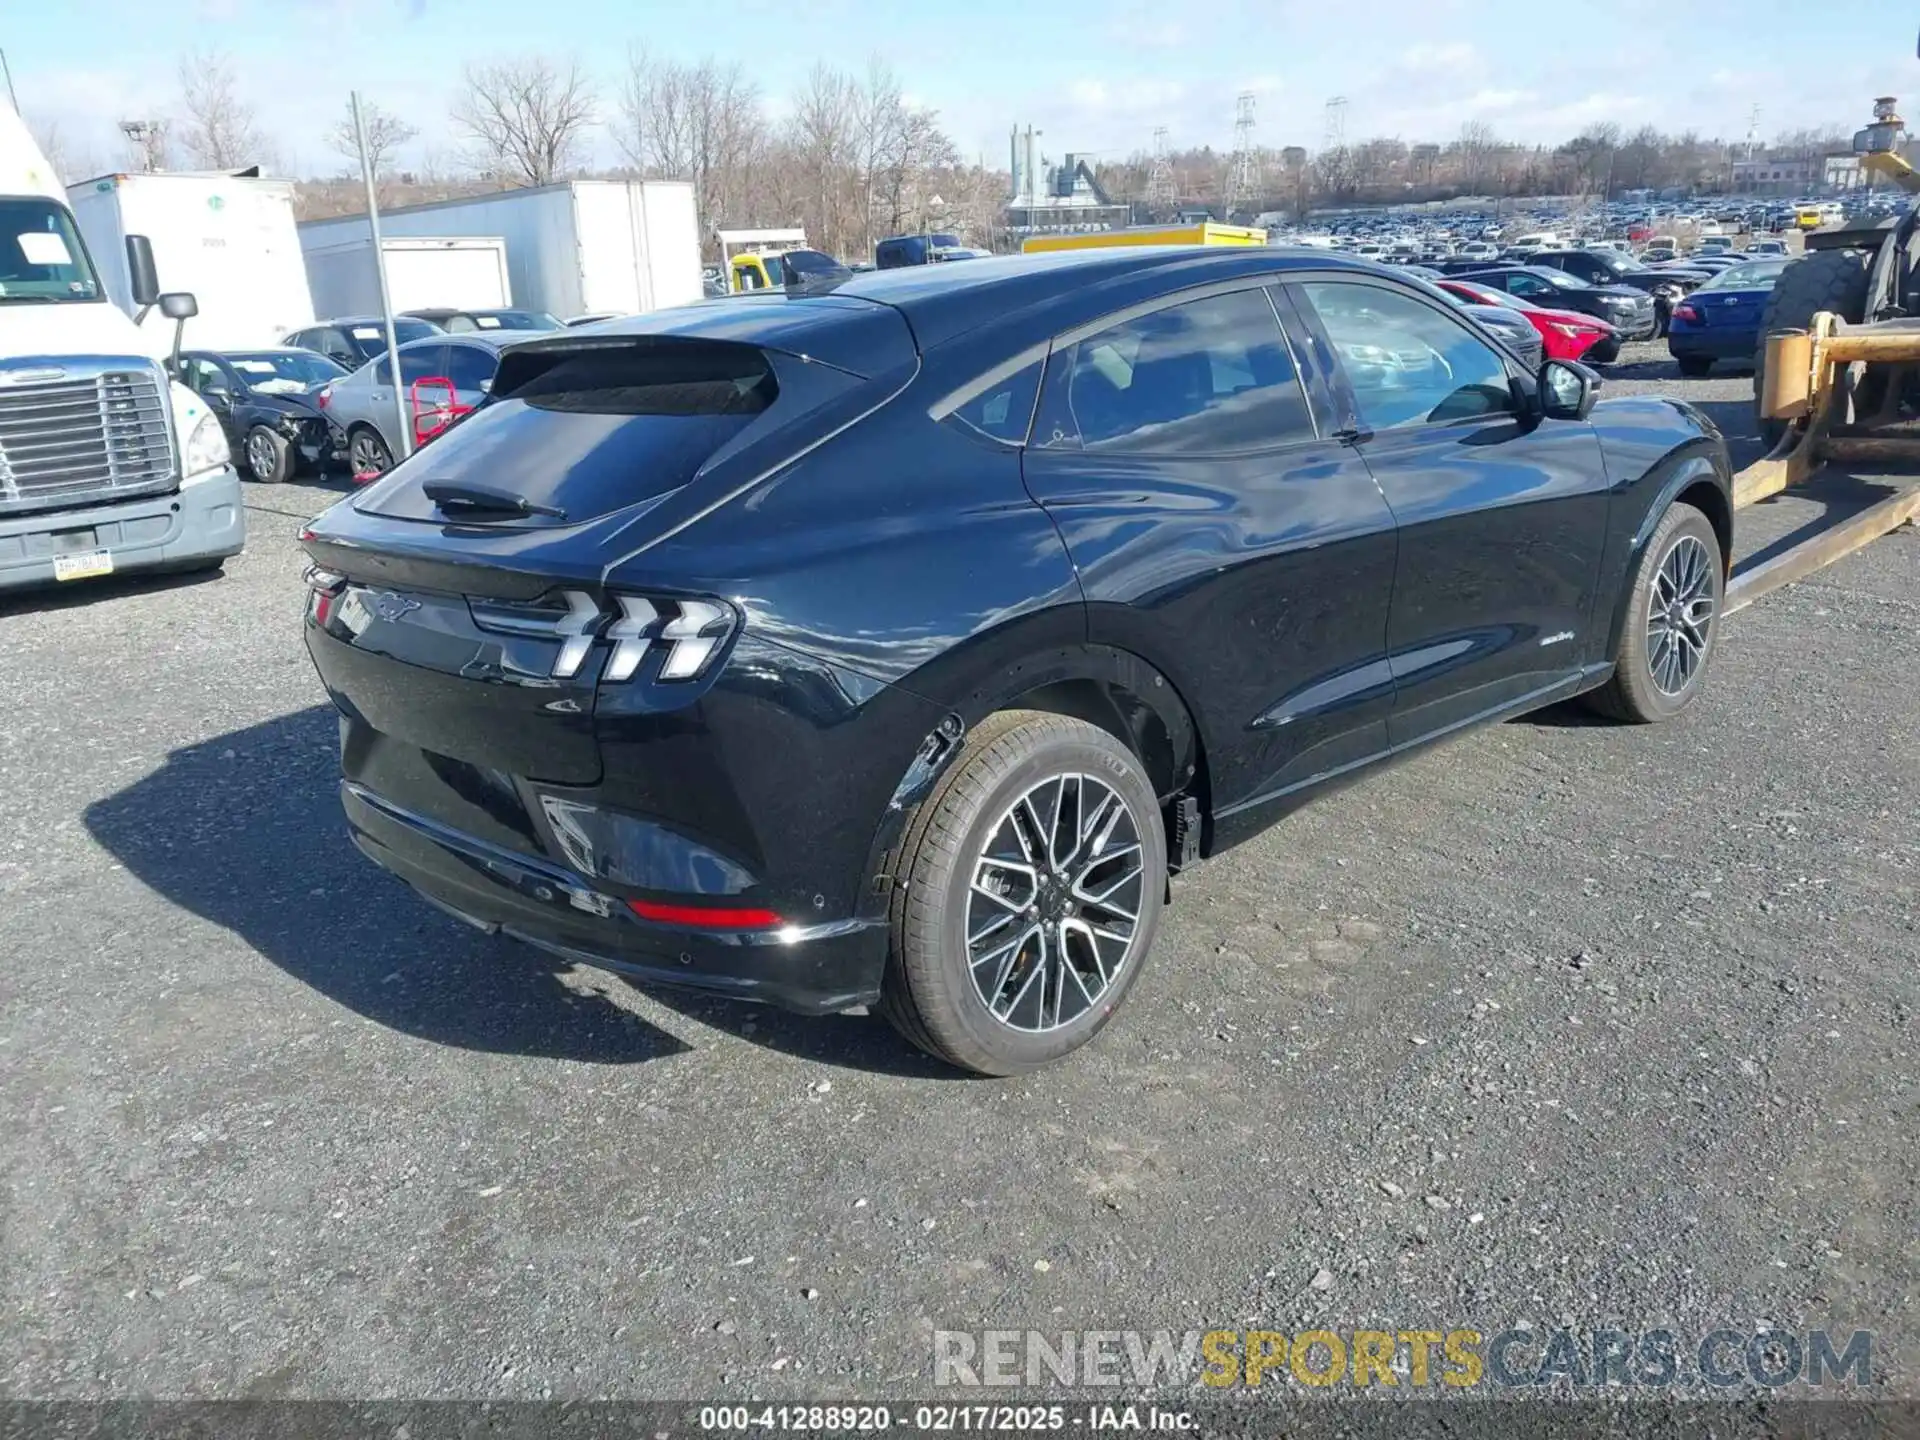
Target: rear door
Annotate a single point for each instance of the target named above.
(1220, 529)
(1501, 513)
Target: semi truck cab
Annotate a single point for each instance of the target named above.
(107, 464)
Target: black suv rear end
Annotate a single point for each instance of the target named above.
(553, 720)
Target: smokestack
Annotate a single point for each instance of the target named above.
(1013, 160)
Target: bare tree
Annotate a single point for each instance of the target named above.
(1475, 150)
(697, 122)
(218, 127)
(385, 135)
(824, 149)
(527, 117)
(70, 160)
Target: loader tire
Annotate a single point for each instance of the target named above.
(1833, 280)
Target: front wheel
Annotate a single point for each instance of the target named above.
(1672, 622)
(1028, 891)
(269, 457)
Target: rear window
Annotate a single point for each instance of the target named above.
(593, 431)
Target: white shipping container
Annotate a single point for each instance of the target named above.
(462, 273)
(575, 248)
(228, 240)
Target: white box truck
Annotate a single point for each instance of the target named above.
(580, 247)
(106, 463)
(459, 273)
(228, 239)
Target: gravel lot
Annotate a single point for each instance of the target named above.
(1564, 1023)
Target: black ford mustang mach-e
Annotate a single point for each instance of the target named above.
(894, 643)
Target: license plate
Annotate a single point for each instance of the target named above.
(83, 566)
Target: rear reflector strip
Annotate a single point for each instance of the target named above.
(706, 917)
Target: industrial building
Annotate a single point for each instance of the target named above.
(1054, 199)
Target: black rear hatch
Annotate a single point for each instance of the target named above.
(461, 610)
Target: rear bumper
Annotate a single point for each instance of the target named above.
(1713, 344)
(814, 969)
(202, 520)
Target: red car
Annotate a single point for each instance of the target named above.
(1567, 334)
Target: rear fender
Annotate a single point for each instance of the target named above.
(1026, 664)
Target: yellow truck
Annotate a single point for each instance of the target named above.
(1206, 232)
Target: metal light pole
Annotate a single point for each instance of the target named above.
(380, 269)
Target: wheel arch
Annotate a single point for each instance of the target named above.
(1112, 689)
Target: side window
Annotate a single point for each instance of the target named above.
(204, 375)
(1527, 285)
(383, 369)
(1209, 377)
(1408, 363)
(334, 346)
(421, 362)
(470, 367)
(1004, 410)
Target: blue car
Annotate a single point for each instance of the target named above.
(1721, 320)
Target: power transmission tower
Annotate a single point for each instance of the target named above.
(1335, 136)
(1242, 179)
(1161, 193)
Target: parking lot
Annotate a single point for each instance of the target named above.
(1565, 1023)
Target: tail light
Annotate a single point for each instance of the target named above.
(324, 589)
(1687, 313)
(324, 399)
(688, 634)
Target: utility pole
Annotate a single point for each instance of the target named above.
(149, 139)
(380, 272)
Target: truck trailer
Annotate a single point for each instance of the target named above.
(464, 273)
(577, 247)
(228, 239)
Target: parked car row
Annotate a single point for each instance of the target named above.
(329, 393)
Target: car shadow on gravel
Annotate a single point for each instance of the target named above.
(245, 830)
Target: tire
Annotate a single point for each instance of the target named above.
(1693, 366)
(367, 452)
(1054, 766)
(1833, 280)
(270, 459)
(1642, 689)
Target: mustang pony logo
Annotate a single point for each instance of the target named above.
(391, 607)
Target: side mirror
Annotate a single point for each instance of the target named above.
(142, 278)
(1567, 390)
(178, 305)
(217, 399)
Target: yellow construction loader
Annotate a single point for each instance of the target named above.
(1837, 378)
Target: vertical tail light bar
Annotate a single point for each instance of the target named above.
(324, 589)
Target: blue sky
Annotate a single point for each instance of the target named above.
(1095, 77)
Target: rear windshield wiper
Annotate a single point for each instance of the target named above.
(463, 501)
